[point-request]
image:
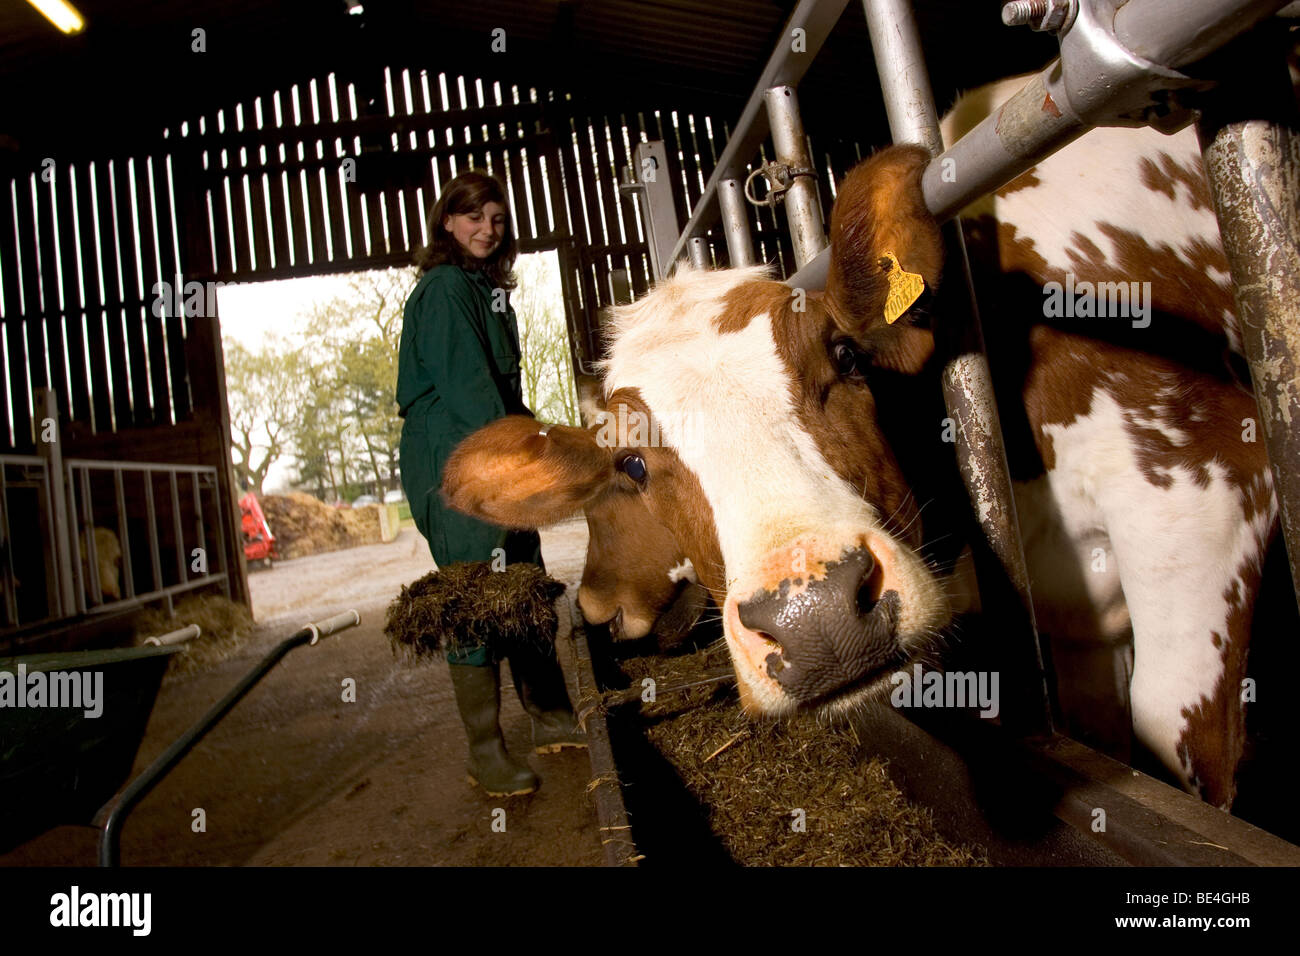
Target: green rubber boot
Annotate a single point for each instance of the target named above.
(477, 696)
(539, 681)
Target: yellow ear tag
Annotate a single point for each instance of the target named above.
(904, 288)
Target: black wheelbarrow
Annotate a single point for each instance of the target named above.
(65, 764)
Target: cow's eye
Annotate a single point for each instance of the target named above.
(846, 359)
(634, 467)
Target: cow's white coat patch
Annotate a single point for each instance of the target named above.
(1177, 551)
(1084, 176)
(759, 469)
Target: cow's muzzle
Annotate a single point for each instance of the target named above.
(830, 632)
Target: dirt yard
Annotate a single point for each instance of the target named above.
(296, 776)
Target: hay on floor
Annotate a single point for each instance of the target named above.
(225, 627)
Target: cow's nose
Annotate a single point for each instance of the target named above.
(832, 630)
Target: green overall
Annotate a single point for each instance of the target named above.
(457, 370)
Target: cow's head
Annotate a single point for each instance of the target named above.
(744, 422)
(636, 577)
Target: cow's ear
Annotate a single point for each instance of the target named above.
(511, 474)
(880, 225)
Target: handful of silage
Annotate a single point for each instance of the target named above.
(467, 604)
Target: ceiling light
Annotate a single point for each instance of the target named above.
(61, 13)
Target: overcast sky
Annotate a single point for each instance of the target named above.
(250, 310)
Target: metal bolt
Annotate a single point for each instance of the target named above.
(1019, 12)
(1045, 15)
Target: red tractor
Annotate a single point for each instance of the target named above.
(259, 543)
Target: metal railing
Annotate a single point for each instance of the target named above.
(1121, 64)
(84, 558)
(26, 476)
(193, 565)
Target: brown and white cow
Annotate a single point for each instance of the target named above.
(636, 579)
(1144, 504)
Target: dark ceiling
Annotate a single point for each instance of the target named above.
(133, 72)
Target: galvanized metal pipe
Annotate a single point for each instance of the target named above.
(800, 40)
(698, 249)
(52, 452)
(1112, 57)
(154, 555)
(198, 521)
(176, 530)
(802, 207)
(112, 815)
(92, 547)
(124, 536)
(735, 223)
(221, 539)
(1034, 123)
(967, 382)
(1176, 35)
(904, 79)
(1251, 145)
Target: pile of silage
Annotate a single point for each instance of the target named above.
(304, 525)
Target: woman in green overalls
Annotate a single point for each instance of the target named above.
(458, 370)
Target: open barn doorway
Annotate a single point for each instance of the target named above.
(311, 372)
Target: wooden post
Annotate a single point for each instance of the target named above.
(207, 366)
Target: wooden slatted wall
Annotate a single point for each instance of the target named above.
(330, 174)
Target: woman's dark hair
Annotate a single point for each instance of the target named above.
(467, 193)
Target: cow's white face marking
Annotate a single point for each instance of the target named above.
(725, 406)
(682, 572)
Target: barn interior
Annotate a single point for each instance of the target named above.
(197, 143)
(236, 142)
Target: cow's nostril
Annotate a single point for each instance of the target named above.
(870, 589)
(828, 634)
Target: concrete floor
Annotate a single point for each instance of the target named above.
(296, 776)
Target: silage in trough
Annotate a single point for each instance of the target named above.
(751, 778)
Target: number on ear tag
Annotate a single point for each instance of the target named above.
(904, 288)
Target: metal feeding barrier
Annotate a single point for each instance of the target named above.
(1120, 64)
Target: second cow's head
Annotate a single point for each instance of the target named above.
(738, 412)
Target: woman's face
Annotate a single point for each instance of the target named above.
(479, 232)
